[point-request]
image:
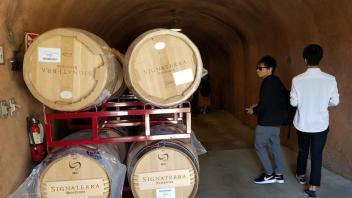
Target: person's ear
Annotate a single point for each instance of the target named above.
(270, 69)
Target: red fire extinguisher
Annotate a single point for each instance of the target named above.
(36, 139)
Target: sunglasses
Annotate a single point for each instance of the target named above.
(260, 68)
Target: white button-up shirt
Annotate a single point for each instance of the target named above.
(312, 93)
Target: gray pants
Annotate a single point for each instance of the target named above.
(267, 138)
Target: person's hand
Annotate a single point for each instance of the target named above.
(249, 110)
(254, 106)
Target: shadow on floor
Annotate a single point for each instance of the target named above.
(231, 164)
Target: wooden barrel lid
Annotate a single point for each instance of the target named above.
(69, 69)
(74, 176)
(164, 171)
(163, 67)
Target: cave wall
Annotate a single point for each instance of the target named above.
(14, 145)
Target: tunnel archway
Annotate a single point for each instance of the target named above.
(231, 36)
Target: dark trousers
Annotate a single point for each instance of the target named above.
(314, 142)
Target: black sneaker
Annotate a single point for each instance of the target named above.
(310, 193)
(301, 179)
(265, 179)
(279, 178)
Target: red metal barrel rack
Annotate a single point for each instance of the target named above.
(181, 113)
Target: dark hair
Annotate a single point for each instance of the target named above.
(313, 54)
(268, 61)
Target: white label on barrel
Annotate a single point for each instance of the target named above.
(51, 55)
(66, 94)
(76, 188)
(183, 76)
(165, 193)
(164, 179)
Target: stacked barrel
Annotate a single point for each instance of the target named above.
(72, 70)
(89, 171)
(163, 67)
(163, 167)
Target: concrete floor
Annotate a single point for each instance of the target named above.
(231, 164)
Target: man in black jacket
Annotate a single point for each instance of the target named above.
(269, 119)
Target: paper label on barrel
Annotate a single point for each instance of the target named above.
(66, 94)
(183, 76)
(51, 55)
(164, 179)
(165, 193)
(77, 188)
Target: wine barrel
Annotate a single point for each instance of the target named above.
(85, 172)
(70, 69)
(75, 175)
(167, 167)
(120, 84)
(162, 67)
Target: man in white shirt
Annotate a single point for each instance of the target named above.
(312, 93)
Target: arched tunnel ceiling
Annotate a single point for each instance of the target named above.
(210, 24)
